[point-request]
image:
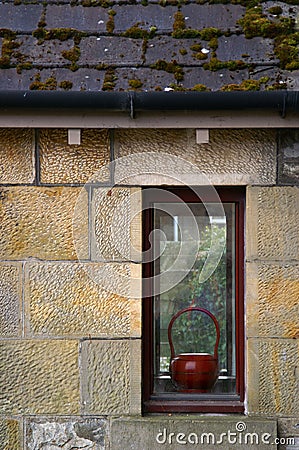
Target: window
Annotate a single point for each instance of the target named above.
(194, 258)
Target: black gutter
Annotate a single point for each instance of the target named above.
(132, 102)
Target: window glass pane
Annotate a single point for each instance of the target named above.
(185, 232)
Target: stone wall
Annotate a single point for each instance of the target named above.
(70, 365)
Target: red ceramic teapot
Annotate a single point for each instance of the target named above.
(194, 372)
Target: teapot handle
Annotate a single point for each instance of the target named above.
(194, 308)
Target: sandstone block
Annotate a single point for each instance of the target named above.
(10, 434)
(10, 299)
(111, 377)
(272, 374)
(70, 299)
(116, 224)
(272, 223)
(272, 300)
(70, 433)
(16, 155)
(38, 222)
(63, 163)
(231, 157)
(39, 377)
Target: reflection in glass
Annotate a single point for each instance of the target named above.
(184, 234)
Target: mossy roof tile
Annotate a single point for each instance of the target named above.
(110, 50)
(179, 50)
(219, 16)
(23, 18)
(156, 16)
(256, 50)
(91, 20)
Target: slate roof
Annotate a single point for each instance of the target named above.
(149, 45)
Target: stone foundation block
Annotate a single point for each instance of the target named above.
(72, 299)
(273, 378)
(38, 222)
(16, 155)
(227, 433)
(111, 376)
(64, 163)
(69, 433)
(10, 299)
(231, 157)
(288, 427)
(272, 300)
(272, 223)
(10, 434)
(39, 377)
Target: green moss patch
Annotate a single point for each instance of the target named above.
(135, 84)
(136, 32)
(49, 85)
(170, 67)
(109, 80)
(215, 64)
(110, 22)
(72, 55)
(255, 23)
(9, 46)
(66, 85)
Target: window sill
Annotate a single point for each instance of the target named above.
(162, 405)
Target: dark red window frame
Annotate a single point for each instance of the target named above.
(225, 403)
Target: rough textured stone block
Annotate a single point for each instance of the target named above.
(39, 377)
(116, 224)
(205, 433)
(38, 222)
(10, 434)
(63, 163)
(10, 299)
(231, 157)
(69, 299)
(69, 433)
(273, 377)
(16, 155)
(111, 377)
(272, 300)
(288, 159)
(272, 223)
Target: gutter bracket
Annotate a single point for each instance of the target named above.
(283, 112)
(132, 111)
